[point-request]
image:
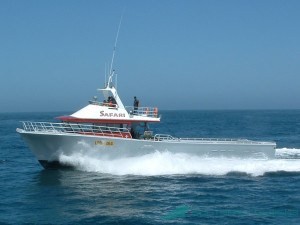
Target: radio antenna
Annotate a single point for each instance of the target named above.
(105, 74)
(115, 46)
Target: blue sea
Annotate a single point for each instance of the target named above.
(159, 188)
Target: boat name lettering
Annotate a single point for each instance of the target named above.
(102, 113)
(107, 143)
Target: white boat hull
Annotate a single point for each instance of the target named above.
(48, 147)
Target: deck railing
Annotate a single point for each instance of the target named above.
(86, 129)
(164, 137)
(143, 111)
(107, 104)
(74, 128)
(215, 139)
(167, 137)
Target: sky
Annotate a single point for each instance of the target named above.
(172, 54)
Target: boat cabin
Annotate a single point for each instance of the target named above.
(111, 118)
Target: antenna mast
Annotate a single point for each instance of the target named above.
(115, 46)
(105, 74)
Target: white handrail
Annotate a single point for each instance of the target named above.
(164, 137)
(167, 137)
(107, 104)
(143, 111)
(86, 129)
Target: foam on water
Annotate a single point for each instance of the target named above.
(167, 163)
(288, 153)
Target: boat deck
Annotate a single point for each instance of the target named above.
(106, 131)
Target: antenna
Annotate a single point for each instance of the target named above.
(105, 73)
(115, 46)
(116, 81)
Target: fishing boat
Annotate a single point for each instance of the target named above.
(108, 128)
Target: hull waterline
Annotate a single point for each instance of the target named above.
(49, 147)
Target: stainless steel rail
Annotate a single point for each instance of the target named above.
(143, 111)
(167, 137)
(87, 129)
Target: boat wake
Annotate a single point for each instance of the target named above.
(291, 153)
(167, 163)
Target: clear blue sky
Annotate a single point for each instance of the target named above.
(174, 54)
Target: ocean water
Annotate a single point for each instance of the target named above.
(159, 188)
